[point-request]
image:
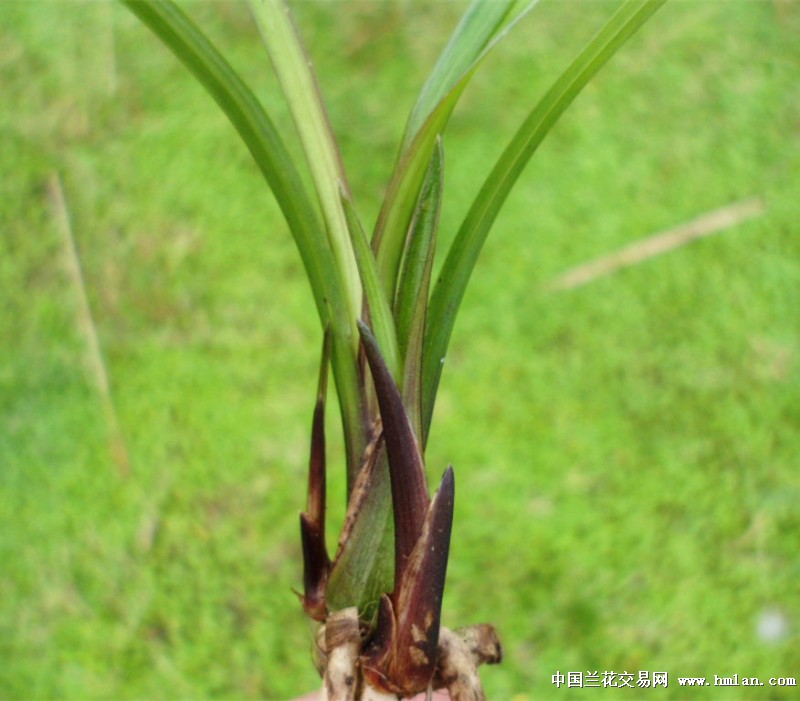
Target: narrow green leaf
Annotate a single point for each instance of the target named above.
(298, 82)
(196, 52)
(471, 42)
(363, 568)
(477, 25)
(419, 249)
(411, 304)
(380, 313)
(191, 46)
(461, 258)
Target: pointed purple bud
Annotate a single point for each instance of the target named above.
(409, 487)
(315, 506)
(316, 563)
(315, 568)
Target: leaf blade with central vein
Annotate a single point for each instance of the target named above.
(301, 90)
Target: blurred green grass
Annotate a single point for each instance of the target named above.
(626, 453)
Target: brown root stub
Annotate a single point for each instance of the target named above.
(482, 642)
(342, 644)
(461, 652)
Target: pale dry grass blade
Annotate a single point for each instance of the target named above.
(86, 324)
(110, 49)
(708, 224)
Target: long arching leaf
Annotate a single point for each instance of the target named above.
(471, 42)
(301, 90)
(246, 114)
(454, 276)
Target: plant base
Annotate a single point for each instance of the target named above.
(461, 652)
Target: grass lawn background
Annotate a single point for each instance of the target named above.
(626, 454)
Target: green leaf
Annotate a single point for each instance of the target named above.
(301, 90)
(411, 305)
(380, 313)
(255, 128)
(461, 258)
(471, 42)
(419, 249)
(478, 24)
(363, 568)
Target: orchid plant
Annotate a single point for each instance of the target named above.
(386, 325)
